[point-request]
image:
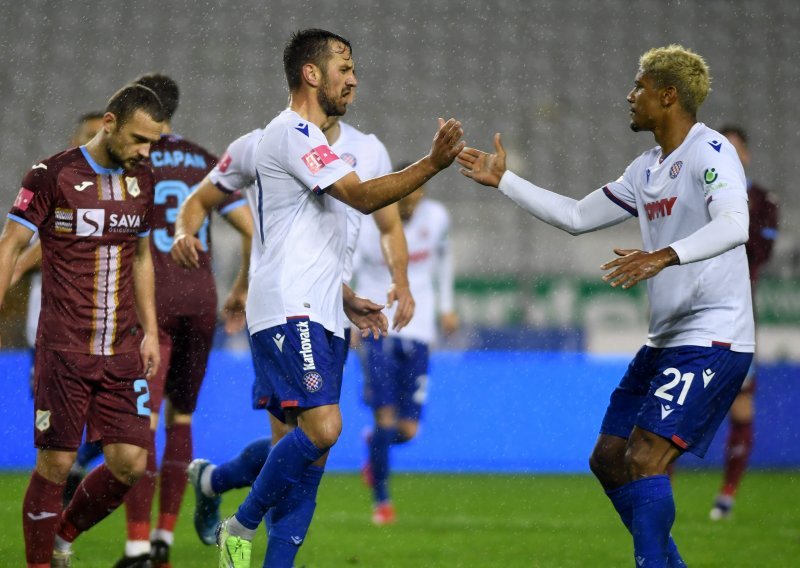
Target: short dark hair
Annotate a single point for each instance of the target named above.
(130, 98)
(308, 46)
(166, 89)
(734, 129)
(93, 115)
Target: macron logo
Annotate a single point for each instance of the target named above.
(302, 128)
(297, 540)
(708, 374)
(716, 145)
(278, 339)
(660, 208)
(666, 411)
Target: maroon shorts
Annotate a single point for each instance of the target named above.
(107, 394)
(185, 343)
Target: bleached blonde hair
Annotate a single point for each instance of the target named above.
(679, 67)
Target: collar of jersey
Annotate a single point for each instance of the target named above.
(97, 167)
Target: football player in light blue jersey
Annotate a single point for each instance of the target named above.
(690, 196)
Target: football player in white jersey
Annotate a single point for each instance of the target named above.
(690, 196)
(236, 171)
(396, 367)
(296, 293)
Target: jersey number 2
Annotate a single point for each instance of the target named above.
(663, 391)
(140, 385)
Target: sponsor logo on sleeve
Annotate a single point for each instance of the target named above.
(224, 163)
(319, 157)
(710, 175)
(23, 200)
(91, 222)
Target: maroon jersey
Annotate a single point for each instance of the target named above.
(89, 220)
(763, 228)
(179, 166)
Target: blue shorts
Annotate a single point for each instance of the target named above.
(680, 393)
(298, 365)
(396, 374)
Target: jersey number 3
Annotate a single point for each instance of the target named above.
(180, 191)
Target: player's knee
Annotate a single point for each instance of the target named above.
(54, 466)
(127, 463)
(407, 431)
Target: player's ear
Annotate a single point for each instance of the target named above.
(312, 74)
(109, 122)
(669, 96)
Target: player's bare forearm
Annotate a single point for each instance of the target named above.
(13, 240)
(29, 259)
(371, 195)
(634, 265)
(191, 216)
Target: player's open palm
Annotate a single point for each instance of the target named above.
(366, 315)
(447, 143)
(486, 169)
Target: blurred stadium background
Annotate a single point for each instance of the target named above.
(552, 77)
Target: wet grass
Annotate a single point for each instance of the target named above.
(482, 521)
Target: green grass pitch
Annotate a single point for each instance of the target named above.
(478, 521)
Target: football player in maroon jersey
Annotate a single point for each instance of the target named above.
(97, 342)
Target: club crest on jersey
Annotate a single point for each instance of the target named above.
(350, 159)
(312, 381)
(42, 420)
(675, 169)
(132, 186)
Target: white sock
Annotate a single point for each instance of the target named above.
(235, 528)
(137, 548)
(62, 545)
(163, 535)
(205, 481)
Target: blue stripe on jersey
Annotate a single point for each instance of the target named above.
(235, 205)
(23, 222)
(619, 202)
(260, 207)
(98, 169)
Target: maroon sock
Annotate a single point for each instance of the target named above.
(139, 500)
(41, 515)
(96, 497)
(737, 454)
(177, 455)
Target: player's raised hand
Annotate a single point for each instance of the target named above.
(185, 249)
(405, 305)
(447, 143)
(486, 169)
(634, 265)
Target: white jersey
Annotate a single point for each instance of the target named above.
(236, 170)
(705, 302)
(429, 262)
(300, 232)
(368, 156)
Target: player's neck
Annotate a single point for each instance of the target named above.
(97, 150)
(672, 133)
(332, 130)
(306, 105)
